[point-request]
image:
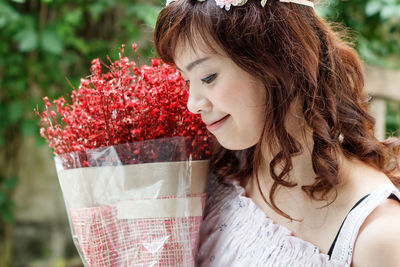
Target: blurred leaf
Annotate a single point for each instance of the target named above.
(19, 1)
(29, 128)
(388, 12)
(15, 111)
(27, 39)
(392, 118)
(39, 140)
(81, 45)
(7, 215)
(11, 183)
(50, 42)
(3, 115)
(373, 8)
(95, 11)
(74, 17)
(2, 197)
(17, 86)
(99, 7)
(322, 11)
(146, 12)
(7, 14)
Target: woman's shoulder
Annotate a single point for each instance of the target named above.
(378, 242)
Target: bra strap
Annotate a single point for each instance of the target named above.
(340, 229)
(343, 249)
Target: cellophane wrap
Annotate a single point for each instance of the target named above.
(136, 204)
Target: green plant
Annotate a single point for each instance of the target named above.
(42, 43)
(374, 24)
(393, 119)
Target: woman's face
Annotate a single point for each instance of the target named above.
(230, 101)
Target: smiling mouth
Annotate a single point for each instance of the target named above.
(217, 121)
(216, 125)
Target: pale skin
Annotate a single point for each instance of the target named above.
(376, 244)
(379, 238)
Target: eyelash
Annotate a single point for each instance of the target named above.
(209, 79)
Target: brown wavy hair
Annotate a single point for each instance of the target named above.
(295, 54)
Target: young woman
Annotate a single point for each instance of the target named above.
(297, 177)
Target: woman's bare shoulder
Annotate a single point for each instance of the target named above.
(378, 242)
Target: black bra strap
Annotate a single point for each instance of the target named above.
(392, 196)
(337, 235)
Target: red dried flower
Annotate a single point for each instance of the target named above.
(128, 103)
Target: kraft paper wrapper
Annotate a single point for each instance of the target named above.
(107, 185)
(160, 208)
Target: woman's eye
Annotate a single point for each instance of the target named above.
(209, 79)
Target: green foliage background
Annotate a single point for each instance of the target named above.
(41, 43)
(44, 41)
(373, 26)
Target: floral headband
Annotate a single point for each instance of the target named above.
(228, 3)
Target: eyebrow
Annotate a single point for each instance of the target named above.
(194, 63)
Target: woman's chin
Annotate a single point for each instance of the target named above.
(230, 145)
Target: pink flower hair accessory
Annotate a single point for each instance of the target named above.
(228, 3)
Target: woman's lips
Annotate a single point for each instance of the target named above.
(216, 125)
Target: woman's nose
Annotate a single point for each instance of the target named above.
(198, 103)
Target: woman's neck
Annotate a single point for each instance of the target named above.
(302, 172)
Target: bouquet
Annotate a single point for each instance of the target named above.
(132, 163)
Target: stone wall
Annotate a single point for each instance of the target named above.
(382, 85)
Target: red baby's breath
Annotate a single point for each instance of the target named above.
(127, 103)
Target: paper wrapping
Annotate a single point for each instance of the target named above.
(146, 214)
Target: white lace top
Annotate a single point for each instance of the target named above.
(237, 233)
